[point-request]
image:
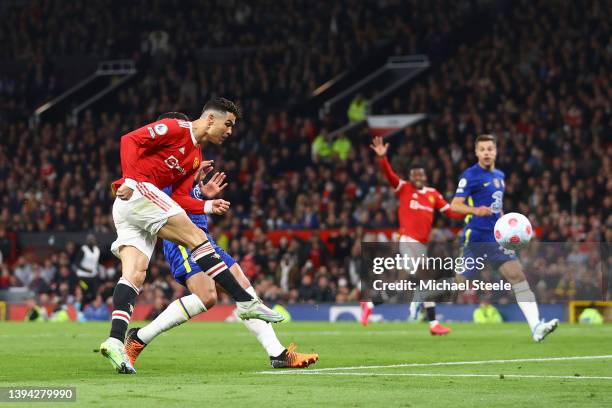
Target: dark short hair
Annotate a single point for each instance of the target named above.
(486, 138)
(173, 115)
(223, 105)
(416, 165)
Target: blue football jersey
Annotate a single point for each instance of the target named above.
(176, 255)
(201, 220)
(482, 188)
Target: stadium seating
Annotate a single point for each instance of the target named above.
(552, 119)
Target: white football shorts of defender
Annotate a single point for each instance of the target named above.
(139, 219)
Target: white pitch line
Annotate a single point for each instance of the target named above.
(565, 377)
(444, 363)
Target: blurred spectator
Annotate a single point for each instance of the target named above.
(23, 272)
(322, 146)
(35, 313)
(38, 284)
(97, 310)
(87, 260)
(5, 245)
(323, 291)
(5, 277)
(487, 313)
(158, 307)
(307, 290)
(357, 109)
(341, 147)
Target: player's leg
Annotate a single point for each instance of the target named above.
(367, 308)
(280, 357)
(203, 297)
(513, 272)
(181, 230)
(435, 327)
(134, 246)
(417, 250)
(134, 266)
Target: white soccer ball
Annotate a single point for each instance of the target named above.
(513, 231)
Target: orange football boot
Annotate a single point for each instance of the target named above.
(292, 359)
(133, 345)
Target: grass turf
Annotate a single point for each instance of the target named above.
(220, 364)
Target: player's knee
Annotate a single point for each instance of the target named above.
(134, 265)
(135, 276)
(208, 298)
(513, 272)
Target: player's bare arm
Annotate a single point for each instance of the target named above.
(458, 205)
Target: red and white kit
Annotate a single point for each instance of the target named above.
(416, 207)
(161, 154)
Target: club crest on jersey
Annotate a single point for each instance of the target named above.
(196, 163)
(431, 199)
(497, 182)
(173, 163)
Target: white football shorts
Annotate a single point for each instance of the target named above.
(139, 219)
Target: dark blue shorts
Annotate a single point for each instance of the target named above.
(480, 246)
(182, 265)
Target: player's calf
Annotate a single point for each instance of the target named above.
(134, 265)
(177, 313)
(204, 288)
(181, 230)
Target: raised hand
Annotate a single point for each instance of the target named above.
(379, 147)
(214, 186)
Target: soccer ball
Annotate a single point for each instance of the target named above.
(513, 231)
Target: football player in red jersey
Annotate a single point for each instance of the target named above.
(416, 214)
(168, 153)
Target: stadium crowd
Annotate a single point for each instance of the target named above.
(277, 55)
(538, 81)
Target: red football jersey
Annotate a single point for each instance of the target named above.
(163, 153)
(416, 207)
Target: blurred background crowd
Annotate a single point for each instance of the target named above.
(537, 78)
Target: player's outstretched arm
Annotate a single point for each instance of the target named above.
(381, 151)
(458, 205)
(444, 207)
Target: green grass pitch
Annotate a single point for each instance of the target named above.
(221, 364)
